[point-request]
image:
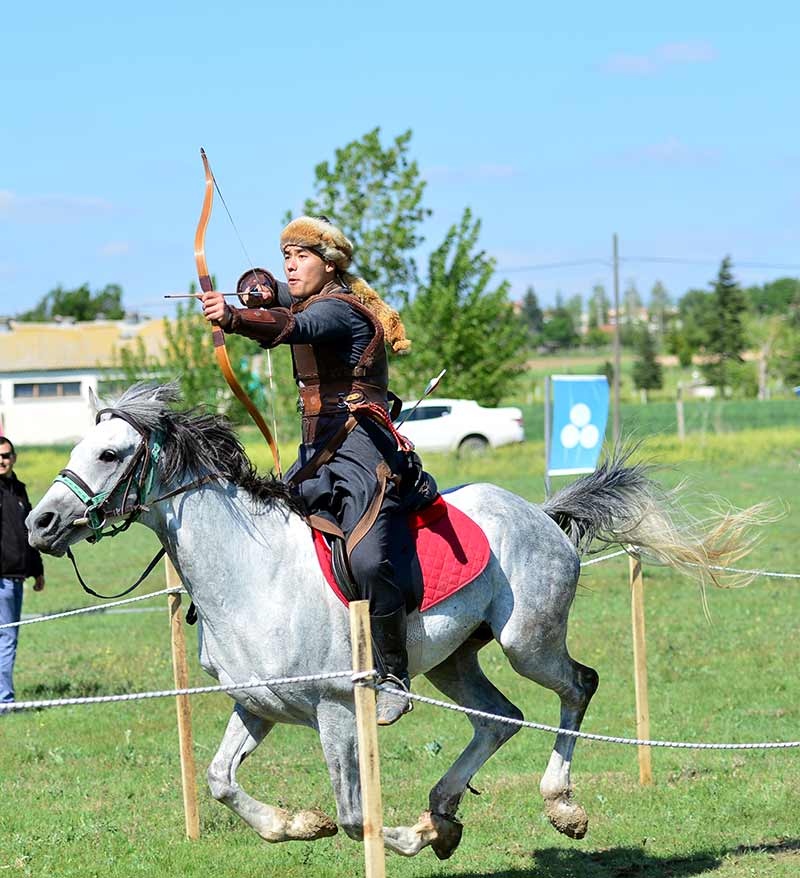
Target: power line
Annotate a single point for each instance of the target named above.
(543, 265)
(679, 260)
(667, 260)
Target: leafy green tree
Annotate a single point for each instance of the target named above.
(647, 371)
(695, 315)
(459, 321)
(659, 307)
(776, 297)
(374, 194)
(787, 348)
(597, 338)
(598, 307)
(531, 313)
(726, 335)
(80, 304)
(559, 330)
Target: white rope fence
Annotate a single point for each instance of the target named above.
(366, 677)
(609, 739)
(192, 690)
(95, 608)
(98, 608)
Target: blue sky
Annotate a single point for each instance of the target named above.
(675, 126)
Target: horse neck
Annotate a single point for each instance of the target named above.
(217, 534)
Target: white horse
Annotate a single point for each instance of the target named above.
(244, 552)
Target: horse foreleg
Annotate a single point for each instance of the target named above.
(337, 732)
(243, 734)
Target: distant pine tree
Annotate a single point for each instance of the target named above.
(531, 312)
(726, 334)
(647, 372)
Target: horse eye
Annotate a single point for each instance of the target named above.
(109, 456)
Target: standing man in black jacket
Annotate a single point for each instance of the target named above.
(17, 561)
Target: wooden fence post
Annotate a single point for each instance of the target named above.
(180, 670)
(640, 668)
(368, 759)
(679, 410)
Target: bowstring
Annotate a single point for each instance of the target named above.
(255, 278)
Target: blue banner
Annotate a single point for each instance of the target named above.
(580, 412)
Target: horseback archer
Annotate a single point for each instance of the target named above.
(355, 474)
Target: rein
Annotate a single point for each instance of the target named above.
(139, 474)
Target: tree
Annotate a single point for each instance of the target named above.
(559, 330)
(647, 372)
(575, 307)
(531, 313)
(631, 303)
(775, 297)
(659, 306)
(726, 335)
(695, 314)
(80, 304)
(598, 307)
(374, 195)
(459, 322)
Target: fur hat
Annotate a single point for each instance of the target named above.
(319, 235)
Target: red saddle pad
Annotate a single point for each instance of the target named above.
(452, 551)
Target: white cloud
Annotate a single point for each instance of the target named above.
(662, 57)
(115, 248)
(50, 208)
(673, 151)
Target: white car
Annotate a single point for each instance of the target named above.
(460, 425)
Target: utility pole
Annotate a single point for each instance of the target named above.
(617, 358)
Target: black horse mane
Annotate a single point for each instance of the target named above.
(198, 441)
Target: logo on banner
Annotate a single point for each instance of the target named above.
(580, 412)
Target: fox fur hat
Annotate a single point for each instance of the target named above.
(320, 235)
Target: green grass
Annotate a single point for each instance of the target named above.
(715, 416)
(91, 791)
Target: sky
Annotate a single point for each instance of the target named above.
(675, 126)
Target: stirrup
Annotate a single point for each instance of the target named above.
(392, 703)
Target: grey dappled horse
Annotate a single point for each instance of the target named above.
(244, 553)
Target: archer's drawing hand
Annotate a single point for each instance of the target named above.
(214, 308)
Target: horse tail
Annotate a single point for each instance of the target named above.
(620, 503)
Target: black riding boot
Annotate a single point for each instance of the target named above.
(391, 662)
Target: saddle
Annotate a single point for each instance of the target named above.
(451, 548)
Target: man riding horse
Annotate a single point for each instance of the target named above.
(354, 472)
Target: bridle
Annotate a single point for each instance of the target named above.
(139, 475)
(136, 478)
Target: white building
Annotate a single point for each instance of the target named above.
(46, 370)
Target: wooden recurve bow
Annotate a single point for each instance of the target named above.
(218, 335)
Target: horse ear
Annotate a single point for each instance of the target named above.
(94, 403)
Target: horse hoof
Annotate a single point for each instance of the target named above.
(567, 817)
(448, 835)
(308, 825)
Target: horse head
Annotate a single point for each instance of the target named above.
(110, 475)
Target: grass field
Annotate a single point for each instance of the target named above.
(91, 791)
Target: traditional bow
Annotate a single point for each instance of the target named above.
(218, 335)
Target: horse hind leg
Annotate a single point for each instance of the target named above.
(461, 679)
(575, 685)
(243, 734)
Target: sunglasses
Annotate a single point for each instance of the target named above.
(6, 455)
